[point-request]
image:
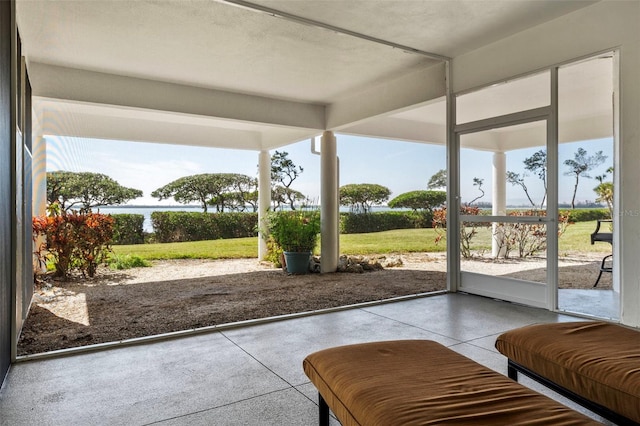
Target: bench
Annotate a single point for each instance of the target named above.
(596, 364)
(421, 382)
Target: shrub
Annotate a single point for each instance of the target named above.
(74, 240)
(527, 238)
(274, 253)
(194, 226)
(586, 215)
(360, 223)
(294, 231)
(127, 261)
(467, 231)
(128, 229)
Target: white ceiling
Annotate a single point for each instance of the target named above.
(211, 73)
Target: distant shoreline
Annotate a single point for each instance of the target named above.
(142, 206)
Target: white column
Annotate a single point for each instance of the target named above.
(264, 198)
(329, 206)
(38, 165)
(499, 197)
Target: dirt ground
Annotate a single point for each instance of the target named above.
(186, 294)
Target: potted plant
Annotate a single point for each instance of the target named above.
(296, 232)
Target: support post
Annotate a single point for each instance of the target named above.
(329, 212)
(264, 198)
(499, 201)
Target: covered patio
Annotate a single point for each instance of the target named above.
(259, 76)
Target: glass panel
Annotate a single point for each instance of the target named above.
(585, 164)
(522, 249)
(505, 170)
(505, 98)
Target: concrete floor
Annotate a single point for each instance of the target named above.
(604, 304)
(248, 375)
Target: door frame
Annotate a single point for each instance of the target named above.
(533, 294)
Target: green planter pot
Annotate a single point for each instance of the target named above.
(297, 262)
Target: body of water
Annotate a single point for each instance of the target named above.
(146, 212)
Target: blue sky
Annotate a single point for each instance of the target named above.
(400, 166)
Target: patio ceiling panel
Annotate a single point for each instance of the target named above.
(276, 80)
(205, 44)
(400, 129)
(449, 28)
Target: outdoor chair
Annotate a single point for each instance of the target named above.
(606, 237)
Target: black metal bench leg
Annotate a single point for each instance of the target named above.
(511, 371)
(323, 411)
(603, 269)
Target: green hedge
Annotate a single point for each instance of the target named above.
(586, 215)
(192, 226)
(359, 223)
(128, 229)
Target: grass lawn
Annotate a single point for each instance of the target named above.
(575, 239)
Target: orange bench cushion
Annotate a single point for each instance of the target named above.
(420, 382)
(596, 360)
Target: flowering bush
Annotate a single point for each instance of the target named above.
(526, 237)
(294, 231)
(74, 240)
(467, 230)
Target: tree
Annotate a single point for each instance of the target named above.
(419, 200)
(537, 164)
(360, 197)
(605, 191)
(284, 171)
(477, 182)
(222, 190)
(188, 189)
(87, 190)
(281, 195)
(438, 180)
(516, 179)
(580, 165)
(241, 190)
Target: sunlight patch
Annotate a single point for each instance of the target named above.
(73, 307)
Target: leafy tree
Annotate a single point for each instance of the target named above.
(87, 190)
(516, 179)
(281, 195)
(537, 164)
(284, 171)
(241, 190)
(477, 182)
(187, 189)
(419, 200)
(360, 197)
(605, 191)
(579, 165)
(251, 199)
(438, 180)
(222, 190)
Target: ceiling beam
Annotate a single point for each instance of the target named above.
(99, 88)
(339, 30)
(391, 96)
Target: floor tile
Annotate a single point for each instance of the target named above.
(249, 375)
(286, 407)
(282, 346)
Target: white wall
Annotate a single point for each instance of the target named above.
(603, 26)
